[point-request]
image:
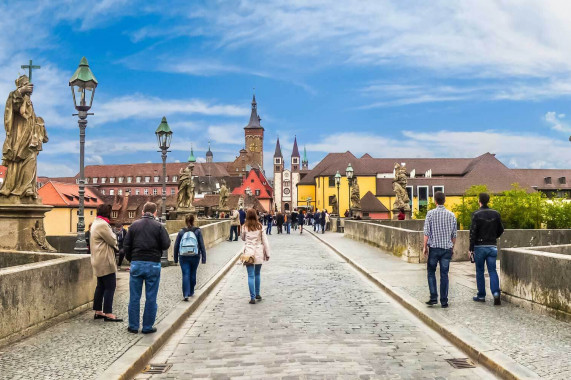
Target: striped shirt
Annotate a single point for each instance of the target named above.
(440, 227)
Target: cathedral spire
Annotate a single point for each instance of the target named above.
(295, 151)
(304, 162)
(254, 118)
(209, 154)
(278, 152)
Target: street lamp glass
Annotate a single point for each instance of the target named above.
(337, 178)
(83, 84)
(164, 135)
(349, 171)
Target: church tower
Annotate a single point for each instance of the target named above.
(304, 162)
(295, 175)
(254, 137)
(278, 176)
(209, 155)
(295, 157)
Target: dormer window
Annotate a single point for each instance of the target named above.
(120, 179)
(562, 180)
(547, 180)
(103, 180)
(95, 179)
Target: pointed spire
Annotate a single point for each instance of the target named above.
(295, 151)
(254, 118)
(278, 149)
(304, 154)
(209, 152)
(191, 158)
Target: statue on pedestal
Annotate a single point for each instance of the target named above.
(21, 210)
(335, 204)
(25, 134)
(185, 188)
(399, 187)
(355, 196)
(223, 201)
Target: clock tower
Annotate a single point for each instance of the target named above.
(254, 137)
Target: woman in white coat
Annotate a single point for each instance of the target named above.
(256, 244)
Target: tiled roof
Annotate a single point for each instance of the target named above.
(67, 195)
(370, 203)
(214, 169)
(537, 178)
(255, 181)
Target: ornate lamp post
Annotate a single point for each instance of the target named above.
(308, 203)
(164, 137)
(349, 174)
(83, 84)
(338, 183)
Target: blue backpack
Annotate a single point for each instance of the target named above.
(188, 244)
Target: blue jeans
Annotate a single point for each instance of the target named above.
(147, 272)
(269, 229)
(486, 254)
(288, 227)
(254, 279)
(188, 265)
(437, 256)
(233, 232)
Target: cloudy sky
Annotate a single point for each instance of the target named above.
(391, 78)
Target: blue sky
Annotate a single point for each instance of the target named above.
(392, 78)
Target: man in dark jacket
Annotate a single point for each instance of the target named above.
(144, 245)
(242, 219)
(486, 228)
(300, 221)
(316, 221)
(294, 219)
(280, 221)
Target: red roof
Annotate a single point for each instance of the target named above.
(2, 171)
(255, 180)
(66, 195)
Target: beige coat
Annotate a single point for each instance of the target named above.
(256, 243)
(103, 243)
(235, 218)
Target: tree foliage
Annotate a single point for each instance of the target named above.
(469, 204)
(421, 214)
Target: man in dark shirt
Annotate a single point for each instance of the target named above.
(144, 245)
(485, 229)
(294, 215)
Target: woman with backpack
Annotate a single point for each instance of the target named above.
(256, 245)
(189, 248)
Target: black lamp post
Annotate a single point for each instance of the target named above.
(164, 137)
(338, 183)
(83, 84)
(349, 174)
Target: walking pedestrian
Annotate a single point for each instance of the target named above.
(269, 222)
(301, 221)
(242, 219)
(294, 217)
(485, 229)
(439, 240)
(256, 244)
(280, 221)
(103, 244)
(287, 219)
(326, 221)
(323, 220)
(189, 249)
(316, 221)
(88, 237)
(144, 245)
(120, 232)
(234, 223)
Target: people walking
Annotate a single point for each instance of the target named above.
(439, 240)
(234, 224)
(294, 217)
(144, 245)
(242, 219)
(120, 232)
(103, 244)
(323, 220)
(256, 244)
(280, 221)
(287, 219)
(269, 221)
(300, 221)
(316, 221)
(485, 229)
(189, 250)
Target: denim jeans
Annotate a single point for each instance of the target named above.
(269, 229)
(254, 279)
(149, 273)
(438, 256)
(233, 232)
(188, 265)
(288, 227)
(486, 254)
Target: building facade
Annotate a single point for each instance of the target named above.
(286, 180)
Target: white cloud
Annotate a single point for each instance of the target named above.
(94, 159)
(226, 134)
(49, 169)
(556, 122)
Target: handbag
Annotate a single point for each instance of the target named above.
(247, 259)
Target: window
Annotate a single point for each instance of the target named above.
(167, 178)
(112, 180)
(295, 167)
(129, 179)
(112, 192)
(131, 214)
(331, 197)
(119, 192)
(277, 169)
(102, 191)
(172, 191)
(252, 180)
(174, 178)
(114, 214)
(87, 180)
(422, 198)
(147, 179)
(137, 191)
(277, 160)
(146, 192)
(121, 179)
(155, 192)
(295, 160)
(95, 179)
(409, 190)
(257, 193)
(437, 188)
(547, 180)
(331, 181)
(157, 178)
(103, 180)
(138, 180)
(562, 180)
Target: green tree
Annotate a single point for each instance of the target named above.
(421, 213)
(520, 209)
(469, 204)
(557, 213)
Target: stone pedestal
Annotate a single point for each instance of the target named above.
(181, 212)
(22, 227)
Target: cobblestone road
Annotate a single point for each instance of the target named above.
(81, 347)
(536, 341)
(319, 319)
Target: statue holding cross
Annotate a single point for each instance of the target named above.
(30, 67)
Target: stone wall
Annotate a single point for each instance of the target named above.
(407, 243)
(538, 276)
(173, 226)
(213, 233)
(63, 243)
(47, 288)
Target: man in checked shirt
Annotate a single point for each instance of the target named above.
(439, 239)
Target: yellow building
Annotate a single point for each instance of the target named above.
(453, 176)
(64, 197)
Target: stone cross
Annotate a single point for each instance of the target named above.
(30, 67)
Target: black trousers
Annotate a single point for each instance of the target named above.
(104, 292)
(233, 232)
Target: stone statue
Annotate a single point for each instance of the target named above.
(185, 187)
(399, 187)
(355, 196)
(241, 203)
(335, 204)
(223, 202)
(25, 134)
